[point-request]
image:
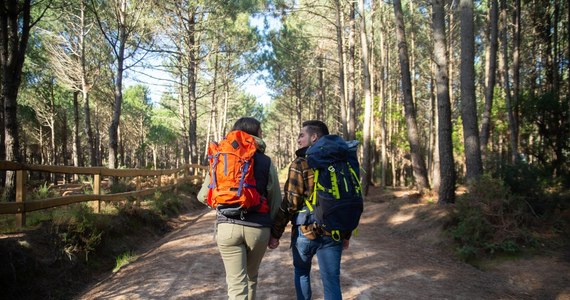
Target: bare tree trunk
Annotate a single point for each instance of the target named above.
(85, 87)
(555, 59)
(468, 103)
(183, 122)
(418, 162)
(435, 169)
(64, 134)
(504, 66)
(366, 166)
(75, 132)
(224, 122)
(192, 109)
(490, 74)
(15, 25)
(341, 76)
(214, 101)
(516, 68)
(351, 108)
(447, 165)
(321, 89)
(450, 47)
(383, 86)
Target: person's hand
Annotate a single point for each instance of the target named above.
(345, 244)
(273, 243)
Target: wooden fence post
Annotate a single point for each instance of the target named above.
(97, 191)
(138, 201)
(21, 197)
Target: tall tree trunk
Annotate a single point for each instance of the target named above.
(468, 103)
(366, 166)
(418, 162)
(76, 139)
(183, 122)
(118, 92)
(555, 57)
(447, 165)
(15, 25)
(85, 87)
(321, 89)
(351, 108)
(341, 74)
(450, 50)
(383, 86)
(434, 132)
(504, 66)
(490, 73)
(115, 121)
(91, 140)
(214, 102)
(516, 68)
(192, 106)
(64, 134)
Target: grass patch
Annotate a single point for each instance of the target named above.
(123, 260)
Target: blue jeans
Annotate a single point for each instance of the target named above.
(328, 253)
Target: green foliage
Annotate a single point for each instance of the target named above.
(489, 219)
(123, 260)
(77, 229)
(43, 192)
(121, 187)
(166, 204)
(544, 193)
(544, 118)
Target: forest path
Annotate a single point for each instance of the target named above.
(398, 254)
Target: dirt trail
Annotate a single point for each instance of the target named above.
(381, 263)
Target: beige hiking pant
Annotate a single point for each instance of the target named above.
(242, 248)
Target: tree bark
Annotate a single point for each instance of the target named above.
(490, 74)
(351, 107)
(366, 158)
(15, 25)
(192, 106)
(468, 103)
(504, 69)
(76, 149)
(341, 73)
(418, 162)
(447, 165)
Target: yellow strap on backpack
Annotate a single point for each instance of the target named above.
(334, 188)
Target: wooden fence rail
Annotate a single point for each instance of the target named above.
(20, 207)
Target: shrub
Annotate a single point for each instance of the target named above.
(77, 229)
(489, 219)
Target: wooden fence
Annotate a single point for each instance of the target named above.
(20, 207)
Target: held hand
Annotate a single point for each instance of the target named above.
(345, 244)
(273, 243)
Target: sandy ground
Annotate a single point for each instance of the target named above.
(389, 259)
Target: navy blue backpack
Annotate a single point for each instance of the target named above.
(336, 201)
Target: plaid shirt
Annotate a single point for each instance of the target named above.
(297, 188)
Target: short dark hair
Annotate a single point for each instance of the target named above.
(316, 126)
(248, 124)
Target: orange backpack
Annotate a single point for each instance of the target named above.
(232, 190)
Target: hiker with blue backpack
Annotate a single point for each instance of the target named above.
(243, 187)
(323, 201)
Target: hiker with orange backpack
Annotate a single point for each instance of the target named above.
(322, 199)
(243, 187)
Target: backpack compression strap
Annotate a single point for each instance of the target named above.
(214, 165)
